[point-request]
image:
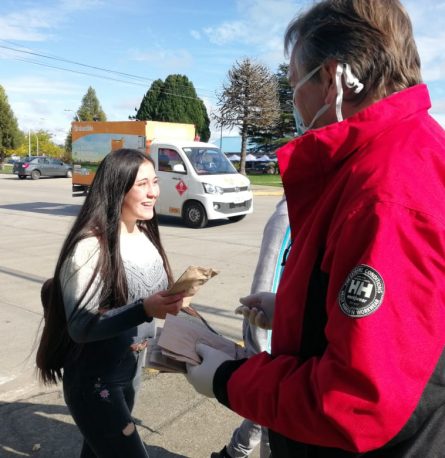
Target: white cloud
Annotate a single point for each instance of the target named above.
(167, 59)
(260, 26)
(39, 86)
(36, 24)
(195, 34)
(227, 32)
(40, 103)
(26, 25)
(429, 33)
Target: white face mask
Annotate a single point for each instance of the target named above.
(351, 82)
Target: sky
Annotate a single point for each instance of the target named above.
(51, 51)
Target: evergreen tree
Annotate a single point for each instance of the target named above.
(175, 100)
(249, 100)
(285, 127)
(148, 109)
(10, 135)
(284, 130)
(90, 109)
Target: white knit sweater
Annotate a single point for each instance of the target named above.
(145, 276)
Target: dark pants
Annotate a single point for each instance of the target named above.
(101, 408)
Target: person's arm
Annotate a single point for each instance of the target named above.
(87, 322)
(363, 390)
(265, 275)
(271, 249)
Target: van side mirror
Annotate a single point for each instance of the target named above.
(179, 168)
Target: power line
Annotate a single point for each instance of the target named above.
(76, 63)
(29, 61)
(60, 59)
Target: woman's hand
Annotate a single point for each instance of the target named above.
(158, 305)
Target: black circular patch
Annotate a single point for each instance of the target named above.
(362, 292)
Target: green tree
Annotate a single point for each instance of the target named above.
(248, 100)
(175, 100)
(284, 130)
(90, 109)
(10, 135)
(69, 143)
(39, 143)
(148, 110)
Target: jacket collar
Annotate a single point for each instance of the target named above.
(307, 161)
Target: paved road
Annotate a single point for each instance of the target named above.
(34, 219)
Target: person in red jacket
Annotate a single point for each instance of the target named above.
(357, 366)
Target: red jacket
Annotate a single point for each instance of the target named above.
(358, 336)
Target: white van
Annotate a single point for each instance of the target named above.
(198, 183)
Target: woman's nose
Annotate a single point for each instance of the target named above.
(152, 191)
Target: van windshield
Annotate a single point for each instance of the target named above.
(209, 161)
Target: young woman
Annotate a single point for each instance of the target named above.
(109, 284)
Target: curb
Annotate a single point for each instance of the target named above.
(268, 193)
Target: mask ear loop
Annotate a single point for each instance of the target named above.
(351, 81)
(339, 98)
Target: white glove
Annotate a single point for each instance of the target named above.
(258, 308)
(201, 376)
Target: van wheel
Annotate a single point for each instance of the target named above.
(237, 218)
(194, 215)
(35, 174)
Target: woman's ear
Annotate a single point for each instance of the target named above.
(328, 80)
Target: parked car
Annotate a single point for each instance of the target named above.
(37, 166)
(257, 167)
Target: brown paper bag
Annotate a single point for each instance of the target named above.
(190, 282)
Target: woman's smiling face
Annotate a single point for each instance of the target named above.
(140, 200)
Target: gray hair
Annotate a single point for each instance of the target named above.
(374, 37)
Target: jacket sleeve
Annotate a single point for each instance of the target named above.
(265, 275)
(366, 385)
(86, 322)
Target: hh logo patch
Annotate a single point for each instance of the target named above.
(362, 292)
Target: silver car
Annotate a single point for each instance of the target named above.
(37, 166)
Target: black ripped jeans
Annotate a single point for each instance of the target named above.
(101, 408)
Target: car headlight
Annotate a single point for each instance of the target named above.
(212, 189)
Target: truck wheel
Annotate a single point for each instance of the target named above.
(194, 215)
(69, 173)
(35, 174)
(237, 218)
(22, 177)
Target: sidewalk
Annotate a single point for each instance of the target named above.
(173, 421)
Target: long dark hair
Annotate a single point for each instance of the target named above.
(99, 216)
